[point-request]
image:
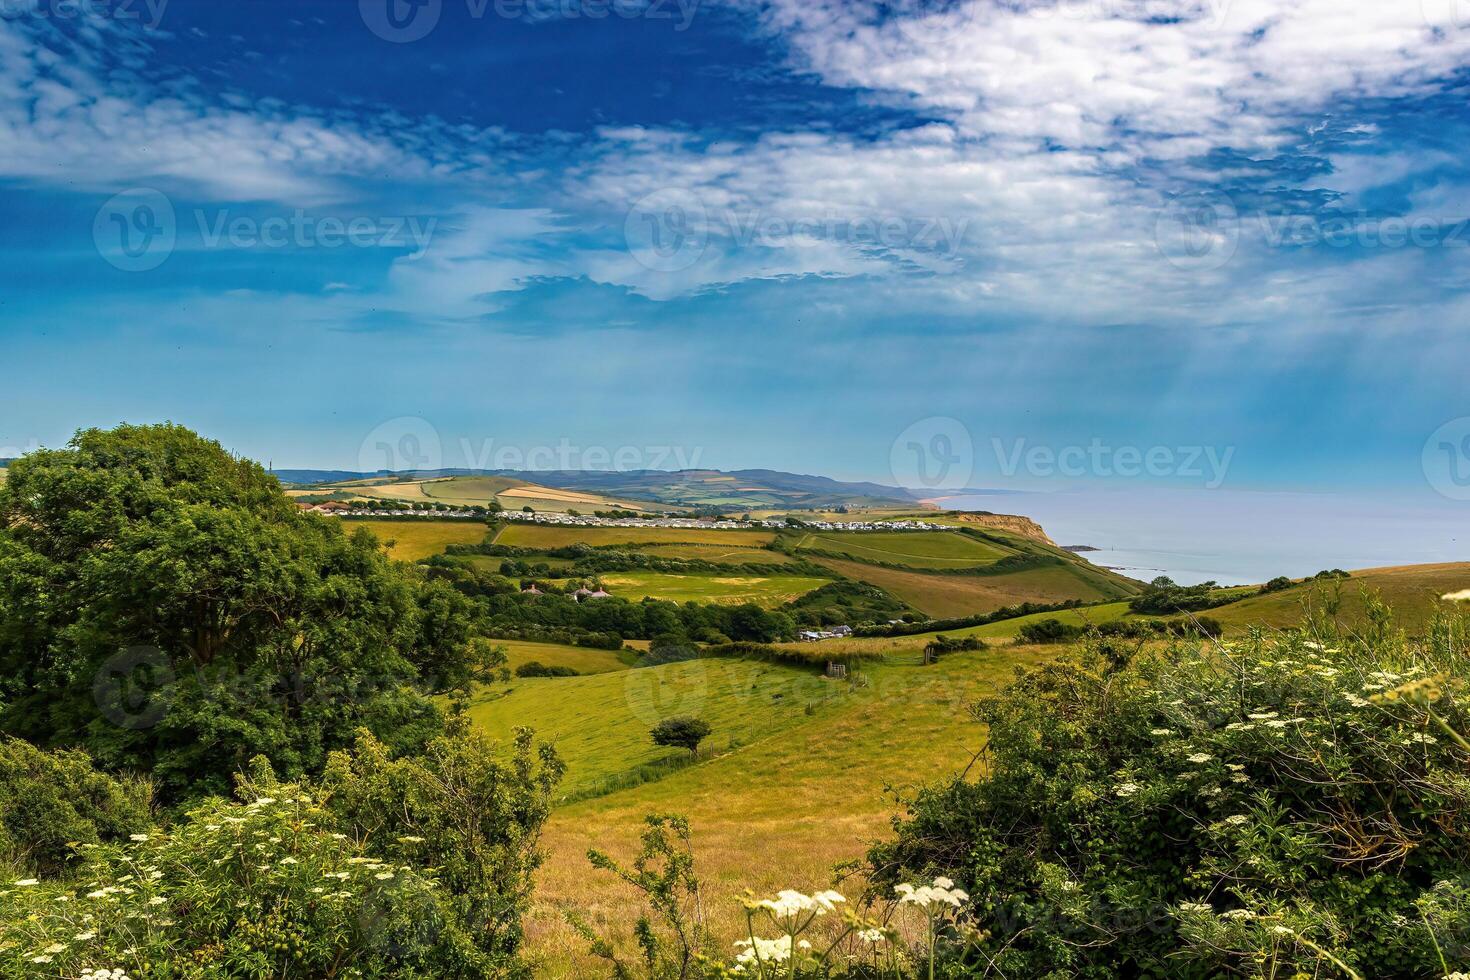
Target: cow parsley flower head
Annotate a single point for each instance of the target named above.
(759, 950)
(789, 903)
(942, 892)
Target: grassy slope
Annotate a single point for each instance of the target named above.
(965, 595)
(768, 591)
(722, 554)
(419, 538)
(492, 563)
(776, 813)
(600, 723)
(584, 660)
(468, 490)
(552, 536)
(922, 549)
(1007, 629)
(1412, 591)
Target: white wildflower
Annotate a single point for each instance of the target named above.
(764, 950)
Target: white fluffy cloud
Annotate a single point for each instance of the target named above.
(1067, 131)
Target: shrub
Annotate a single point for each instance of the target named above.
(1294, 804)
(681, 732)
(1177, 599)
(52, 801)
(266, 888)
(536, 668)
(460, 809)
(1048, 631)
(942, 645)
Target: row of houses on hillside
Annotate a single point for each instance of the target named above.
(836, 632)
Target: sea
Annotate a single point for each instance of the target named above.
(1241, 536)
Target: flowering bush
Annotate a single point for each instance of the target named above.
(461, 809)
(411, 867)
(257, 889)
(674, 943)
(1292, 802)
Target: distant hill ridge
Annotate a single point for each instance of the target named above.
(755, 488)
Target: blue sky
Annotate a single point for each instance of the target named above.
(797, 235)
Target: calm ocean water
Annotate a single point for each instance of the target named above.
(1234, 536)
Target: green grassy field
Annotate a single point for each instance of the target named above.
(600, 723)
(469, 490)
(584, 660)
(492, 563)
(913, 549)
(804, 793)
(720, 554)
(1412, 591)
(543, 537)
(769, 591)
(420, 537)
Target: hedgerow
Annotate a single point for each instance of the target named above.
(1293, 803)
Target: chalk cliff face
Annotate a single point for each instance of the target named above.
(1023, 526)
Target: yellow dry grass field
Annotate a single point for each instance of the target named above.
(412, 539)
(548, 493)
(545, 536)
(781, 812)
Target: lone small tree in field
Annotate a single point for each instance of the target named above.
(682, 732)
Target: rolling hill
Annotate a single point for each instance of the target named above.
(713, 490)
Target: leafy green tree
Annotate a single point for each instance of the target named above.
(166, 607)
(682, 732)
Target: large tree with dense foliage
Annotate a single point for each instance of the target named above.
(164, 605)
